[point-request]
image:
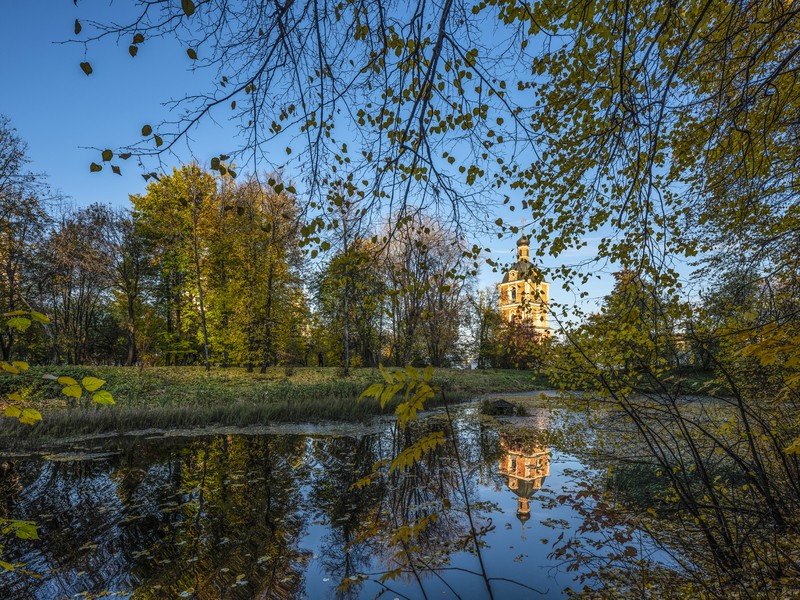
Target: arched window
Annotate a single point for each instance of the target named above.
(513, 294)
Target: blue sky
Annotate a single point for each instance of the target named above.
(62, 114)
(65, 116)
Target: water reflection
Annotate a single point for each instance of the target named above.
(278, 516)
(525, 465)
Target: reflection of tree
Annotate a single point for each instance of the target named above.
(221, 516)
(240, 522)
(423, 519)
(346, 551)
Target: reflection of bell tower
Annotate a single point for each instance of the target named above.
(525, 466)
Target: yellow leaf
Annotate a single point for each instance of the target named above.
(15, 397)
(13, 411)
(31, 414)
(389, 392)
(21, 365)
(793, 449)
(103, 397)
(373, 391)
(73, 390)
(92, 384)
(67, 381)
(8, 368)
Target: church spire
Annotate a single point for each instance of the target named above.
(523, 248)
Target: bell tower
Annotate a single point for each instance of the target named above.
(524, 295)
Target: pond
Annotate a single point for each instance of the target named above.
(279, 515)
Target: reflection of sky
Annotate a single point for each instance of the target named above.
(512, 553)
(88, 500)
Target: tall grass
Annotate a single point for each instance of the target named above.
(187, 397)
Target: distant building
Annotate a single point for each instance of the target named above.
(523, 294)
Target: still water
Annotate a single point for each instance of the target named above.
(279, 515)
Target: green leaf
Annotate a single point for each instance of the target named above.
(103, 397)
(66, 380)
(37, 316)
(12, 411)
(6, 566)
(188, 7)
(192, 54)
(27, 531)
(107, 155)
(74, 391)
(147, 130)
(20, 323)
(86, 67)
(94, 168)
(92, 384)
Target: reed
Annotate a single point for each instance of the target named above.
(188, 397)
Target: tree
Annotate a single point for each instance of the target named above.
(427, 278)
(350, 289)
(170, 214)
(664, 129)
(23, 221)
(275, 221)
(131, 271)
(486, 322)
(74, 267)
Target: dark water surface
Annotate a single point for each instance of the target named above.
(278, 516)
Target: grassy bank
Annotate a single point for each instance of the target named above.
(189, 397)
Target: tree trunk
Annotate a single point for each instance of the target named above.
(132, 351)
(200, 289)
(268, 319)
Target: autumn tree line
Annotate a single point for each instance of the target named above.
(205, 269)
